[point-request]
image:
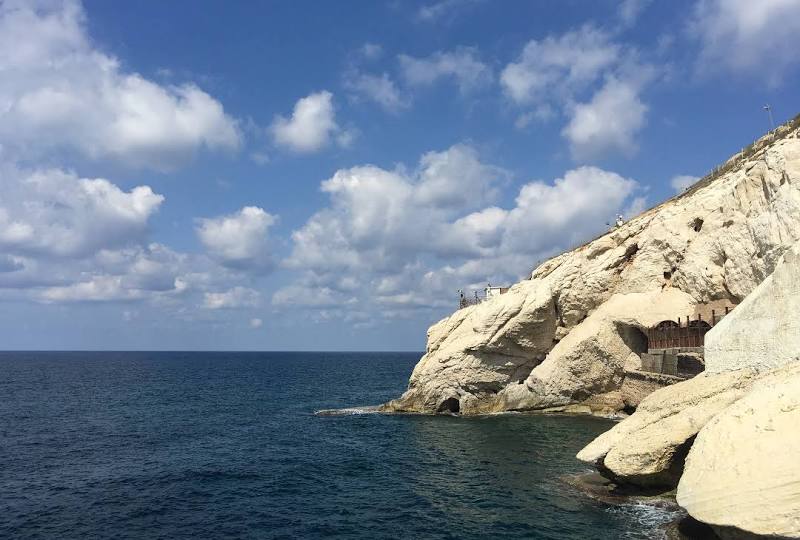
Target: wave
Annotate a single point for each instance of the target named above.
(652, 517)
(349, 411)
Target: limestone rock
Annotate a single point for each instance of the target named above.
(743, 472)
(736, 428)
(647, 448)
(562, 337)
(764, 331)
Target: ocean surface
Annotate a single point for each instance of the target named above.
(227, 445)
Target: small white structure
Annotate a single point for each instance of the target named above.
(491, 292)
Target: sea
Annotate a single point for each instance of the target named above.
(207, 445)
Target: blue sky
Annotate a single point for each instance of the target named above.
(326, 175)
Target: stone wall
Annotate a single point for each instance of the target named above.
(764, 330)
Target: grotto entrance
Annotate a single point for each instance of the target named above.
(450, 405)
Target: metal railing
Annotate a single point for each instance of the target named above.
(680, 334)
(466, 301)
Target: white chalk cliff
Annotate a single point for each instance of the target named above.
(729, 437)
(562, 338)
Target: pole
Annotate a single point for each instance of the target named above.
(769, 112)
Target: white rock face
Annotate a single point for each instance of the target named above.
(764, 331)
(647, 448)
(562, 338)
(743, 472)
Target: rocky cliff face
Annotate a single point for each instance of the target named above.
(727, 438)
(562, 338)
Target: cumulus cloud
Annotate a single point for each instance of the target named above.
(380, 214)
(60, 92)
(312, 125)
(607, 123)
(237, 297)
(594, 81)
(56, 213)
(462, 65)
(239, 240)
(131, 274)
(682, 182)
(256, 323)
(409, 239)
(380, 89)
(100, 288)
(747, 37)
(556, 68)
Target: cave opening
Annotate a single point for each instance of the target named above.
(634, 338)
(450, 405)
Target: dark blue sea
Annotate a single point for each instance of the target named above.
(227, 445)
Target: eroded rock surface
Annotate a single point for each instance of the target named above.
(562, 338)
(647, 449)
(729, 439)
(743, 471)
(764, 331)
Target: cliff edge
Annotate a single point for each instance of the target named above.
(563, 338)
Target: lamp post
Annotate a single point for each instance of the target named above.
(769, 112)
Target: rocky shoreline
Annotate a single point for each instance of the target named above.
(572, 337)
(601, 489)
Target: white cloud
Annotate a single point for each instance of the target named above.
(380, 89)
(746, 36)
(237, 297)
(636, 207)
(58, 91)
(570, 209)
(371, 51)
(239, 240)
(555, 68)
(409, 240)
(56, 213)
(259, 157)
(562, 74)
(436, 11)
(387, 212)
(256, 323)
(462, 65)
(608, 123)
(312, 125)
(629, 10)
(305, 295)
(682, 182)
(98, 289)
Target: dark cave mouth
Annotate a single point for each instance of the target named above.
(450, 405)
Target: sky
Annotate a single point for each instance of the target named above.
(199, 175)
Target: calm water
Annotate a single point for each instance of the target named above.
(226, 445)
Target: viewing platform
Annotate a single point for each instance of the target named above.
(477, 297)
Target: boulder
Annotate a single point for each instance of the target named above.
(742, 475)
(764, 331)
(647, 448)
